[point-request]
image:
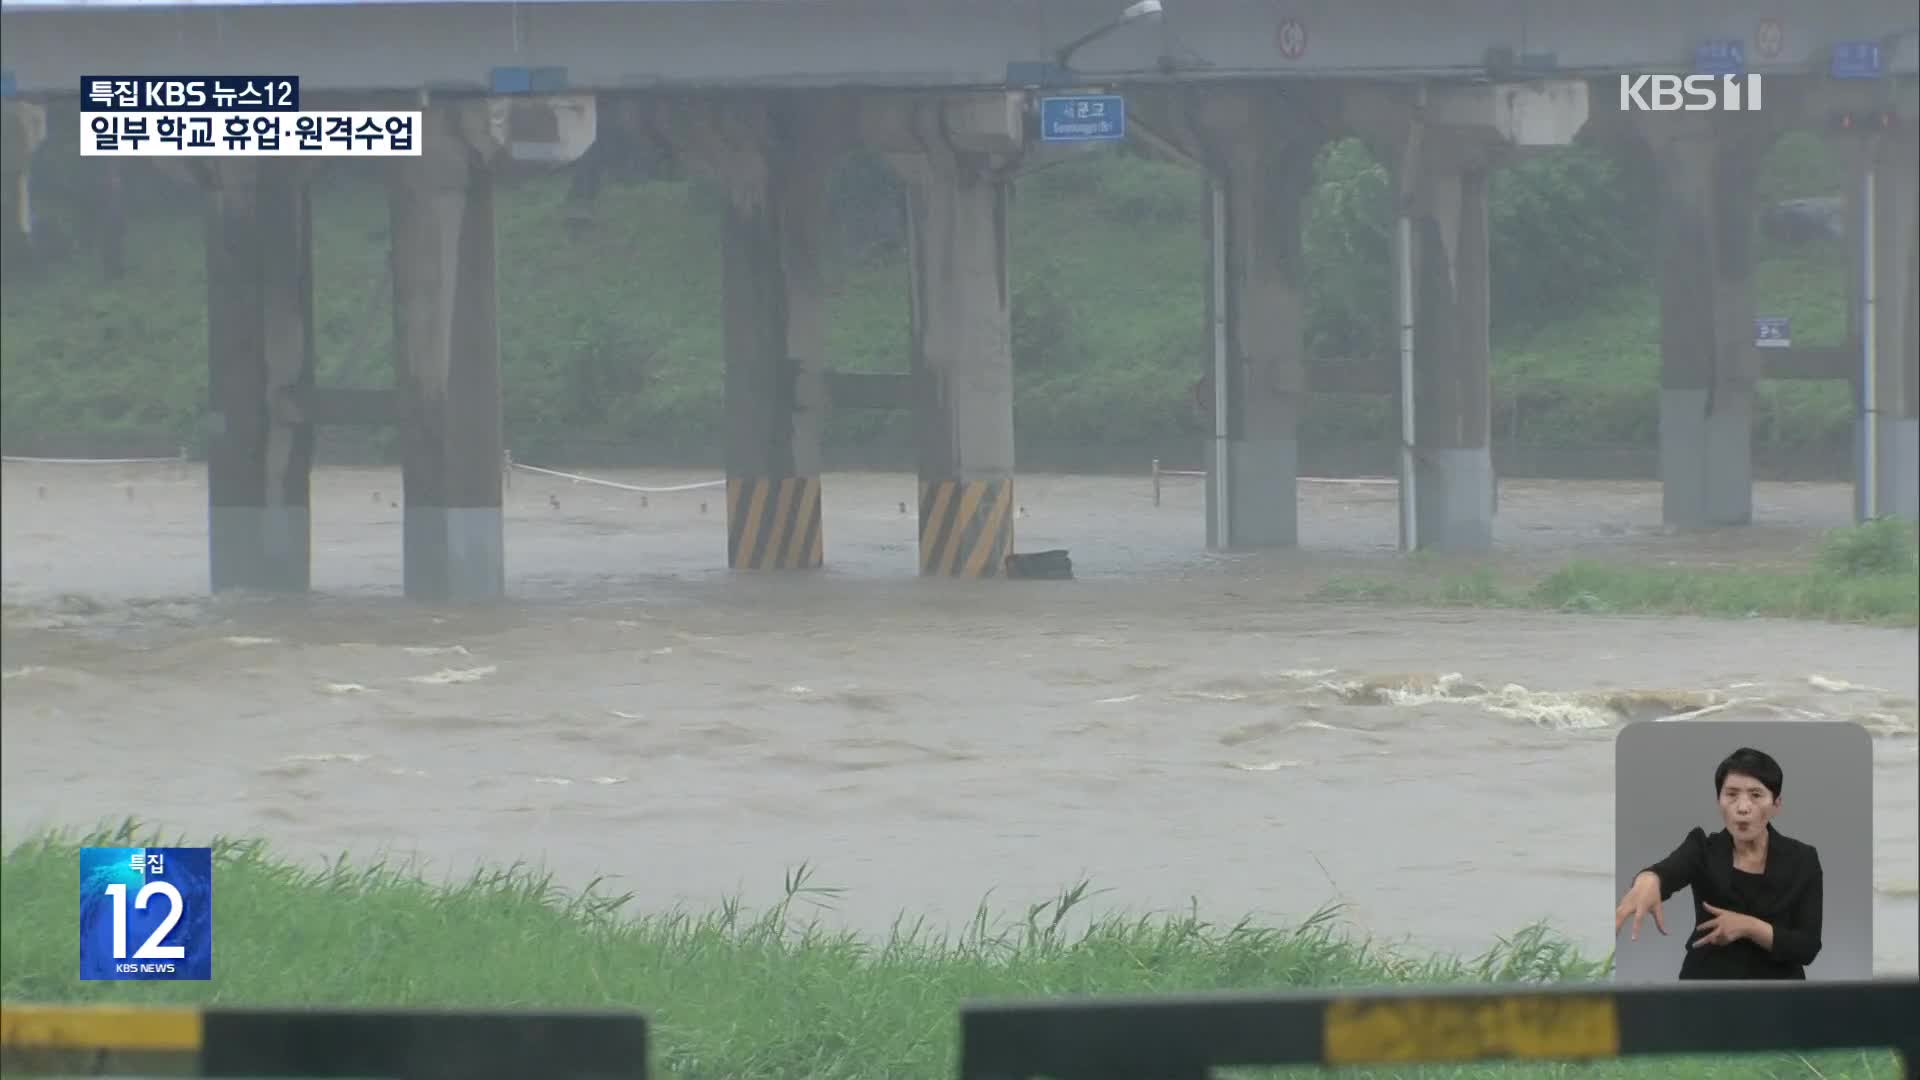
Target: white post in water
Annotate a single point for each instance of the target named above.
(1409, 507)
(1869, 388)
(1222, 509)
(1409, 178)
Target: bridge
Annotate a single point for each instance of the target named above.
(765, 96)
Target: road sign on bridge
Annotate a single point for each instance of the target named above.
(1720, 57)
(1856, 60)
(1083, 118)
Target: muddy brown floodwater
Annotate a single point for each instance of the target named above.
(1173, 725)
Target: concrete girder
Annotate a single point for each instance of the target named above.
(730, 140)
(1193, 124)
(1257, 146)
(1441, 144)
(1706, 164)
(907, 128)
(958, 155)
(1424, 130)
(774, 157)
(1884, 295)
(447, 355)
(261, 359)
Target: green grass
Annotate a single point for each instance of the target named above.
(1867, 573)
(1592, 378)
(734, 994)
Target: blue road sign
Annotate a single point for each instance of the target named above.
(519, 80)
(1083, 118)
(1772, 332)
(6, 84)
(1720, 57)
(1856, 60)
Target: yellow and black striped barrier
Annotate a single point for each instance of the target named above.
(966, 527)
(1184, 1037)
(773, 523)
(411, 1044)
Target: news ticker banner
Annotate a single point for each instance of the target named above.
(146, 913)
(230, 116)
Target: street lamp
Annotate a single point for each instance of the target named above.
(1143, 9)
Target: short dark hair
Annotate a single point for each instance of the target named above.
(1750, 762)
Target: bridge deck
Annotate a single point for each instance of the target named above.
(454, 44)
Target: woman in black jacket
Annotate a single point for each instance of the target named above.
(1756, 893)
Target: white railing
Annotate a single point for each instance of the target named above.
(1357, 481)
(18, 459)
(701, 485)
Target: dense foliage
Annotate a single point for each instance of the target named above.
(610, 332)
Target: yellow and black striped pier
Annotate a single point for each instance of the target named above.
(966, 527)
(773, 523)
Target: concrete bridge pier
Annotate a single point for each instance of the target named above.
(1445, 208)
(957, 155)
(1441, 145)
(1895, 275)
(1708, 363)
(1262, 183)
(774, 159)
(260, 364)
(1258, 148)
(447, 350)
(23, 127)
(446, 338)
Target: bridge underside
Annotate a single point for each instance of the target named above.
(957, 154)
(912, 43)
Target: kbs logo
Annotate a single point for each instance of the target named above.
(146, 913)
(1690, 93)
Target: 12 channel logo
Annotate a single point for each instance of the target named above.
(146, 913)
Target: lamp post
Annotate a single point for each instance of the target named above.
(1055, 72)
(1143, 9)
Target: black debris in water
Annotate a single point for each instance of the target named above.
(1055, 565)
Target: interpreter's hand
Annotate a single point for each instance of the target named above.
(1642, 899)
(1725, 928)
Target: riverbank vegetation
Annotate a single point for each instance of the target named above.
(610, 330)
(1868, 573)
(733, 993)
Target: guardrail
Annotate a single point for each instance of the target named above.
(1352, 481)
(1159, 472)
(399, 1043)
(1183, 1038)
(1179, 1037)
(180, 459)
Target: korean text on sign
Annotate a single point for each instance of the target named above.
(261, 134)
(1772, 332)
(1856, 60)
(197, 93)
